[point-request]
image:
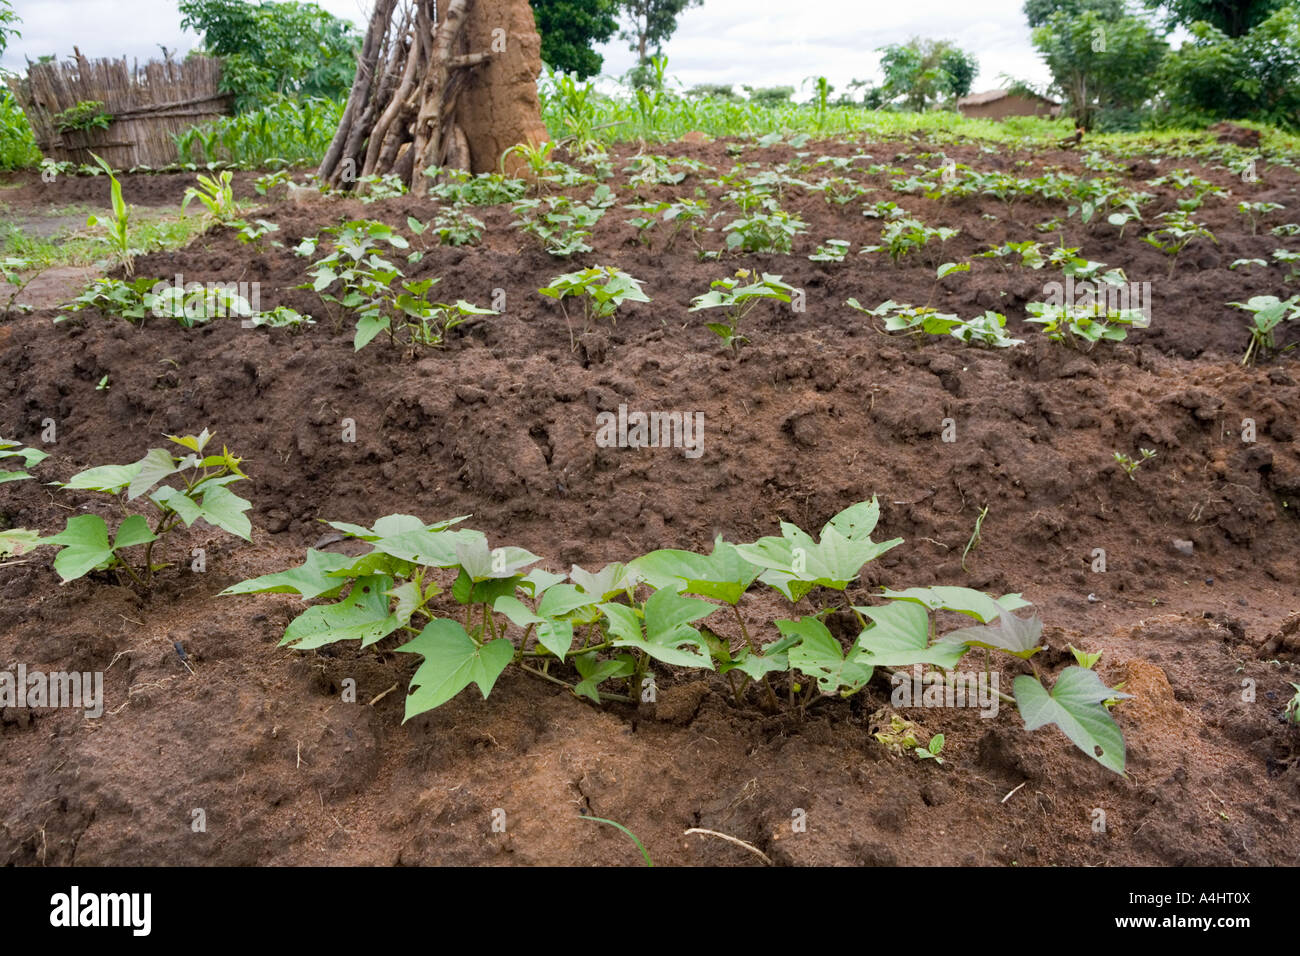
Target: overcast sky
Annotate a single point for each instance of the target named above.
(759, 42)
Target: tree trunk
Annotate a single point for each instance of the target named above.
(439, 83)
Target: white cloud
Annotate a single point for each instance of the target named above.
(760, 42)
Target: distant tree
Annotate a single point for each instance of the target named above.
(570, 28)
(1233, 18)
(713, 90)
(1254, 76)
(770, 95)
(1038, 11)
(960, 68)
(1099, 64)
(926, 72)
(8, 21)
(873, 96)
(648, 24)
(275, 48)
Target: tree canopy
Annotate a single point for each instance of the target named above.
(926, 72)
(570, 28)
(275, 48)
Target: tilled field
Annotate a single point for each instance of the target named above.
(817, 411)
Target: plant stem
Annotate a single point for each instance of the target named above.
(566, 684)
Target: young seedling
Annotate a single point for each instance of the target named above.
(119, 227)
(1083, 322)
(427, 323)
(646, 221)
(29, 458)
(1131, 465)
(1255, 211)
(452, 225)
(974, 541)
(600, 627)
(931, 750)
(771, 231)
(216, 195)
(902, 237)
(1267, 313)
(363, 277)
(602, 290)
(203, 493)
(1292, 710)
(832, 250)
(645, 854)
(1175, 235)
(252, 233)
(562, 230)
(1291, 259)
(264, 184)
(537, 156)
(909, 319)
(455, 186)
(132, 300)
(739, 299)
(1083, 658)
(18, 273)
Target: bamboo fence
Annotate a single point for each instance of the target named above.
(148, 104)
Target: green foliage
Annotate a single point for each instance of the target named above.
(1255, 75)
(1267, 312)
(8, 19)
(203, 493)
(119, 226)
(271, 49)
(1233, 17)
(1083, 322)
(1131, 465)
(1292, 710)
(1099, 62)
(560, 225)
(87, 114)
(648, 24)
(1037, 12)
(922, 73)
(1075, 705)
(216, 195)
(457, 187)
(362, 280)
(645, 854)
(281, 132)
(601, 289)
(129, 300)
(607, 630)
(141, 297)
(728, 293)
(17, 141)
(570, 28)
(27, 458)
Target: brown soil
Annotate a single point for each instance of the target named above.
(817, 412)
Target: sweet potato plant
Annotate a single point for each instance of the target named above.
(469, 611)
